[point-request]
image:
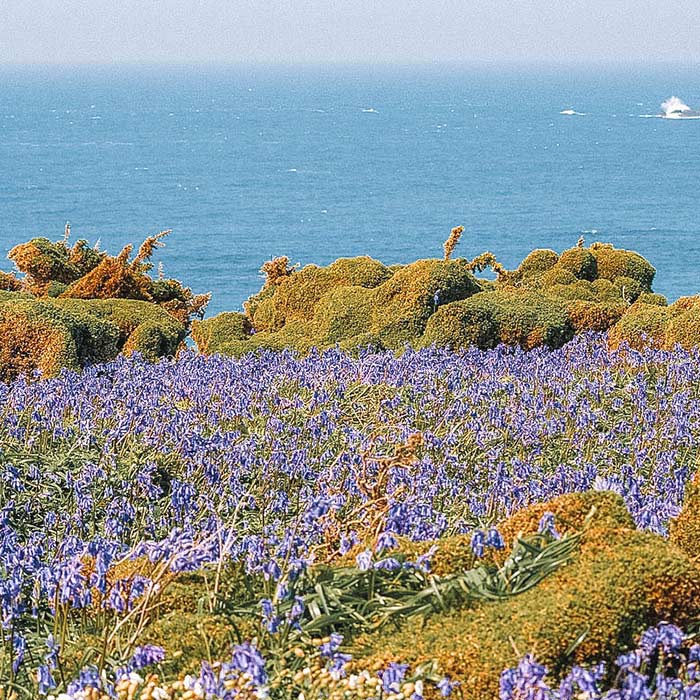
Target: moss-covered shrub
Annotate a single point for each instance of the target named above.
(580, 262)
(594, 315)
(511, 316)
(641, 325)
(684, 531)
(537, 262)
(621, 582)
(613, 262)
(220, 330)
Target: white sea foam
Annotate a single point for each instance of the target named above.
(371, 110)
(572, 113)
(675, 108)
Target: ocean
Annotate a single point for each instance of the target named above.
(245, 164)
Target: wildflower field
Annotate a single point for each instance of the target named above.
(365, 525)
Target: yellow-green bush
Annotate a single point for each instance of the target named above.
(652, 298)
(580, 262)
(613, 262)
(537, 262)
(640, 326)
(296, 296)
(44, 261)
(512, 316)
(9, 283)
(594, 315)
(40, 335)
(49, 334)
(684, 531)
(621, 582)
(213, 333)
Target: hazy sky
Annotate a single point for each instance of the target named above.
(312, 31)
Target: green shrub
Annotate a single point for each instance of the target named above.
(640, 326)
(614, 263)
(594, 315)
(580, 262)
(684, 531)
(630, 289)
(537, 262)
(621, 582)
(41, 335)
(213, 333)
(653, 299)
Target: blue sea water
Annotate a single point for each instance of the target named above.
(248, 163)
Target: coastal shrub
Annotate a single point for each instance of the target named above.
(640, 326)
(43, 262)
(652, 298)
(537, 262)
(630, 289)
(594, 316)
(621, 582)
(459, 325)
(576, 290)
(683, 329)
(580, 262)
(143, 327)
(511, 316)
(295, 296)
(9, 283)
(613, 262)
(553, 277)
(113, 278)
(684, 530)
(212, 334)
(41, 335)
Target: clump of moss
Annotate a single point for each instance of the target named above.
(621, 582)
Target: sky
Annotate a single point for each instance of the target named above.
(348, 31)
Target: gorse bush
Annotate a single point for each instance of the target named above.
(359, 302)
(79, 306)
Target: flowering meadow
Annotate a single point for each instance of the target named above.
(210, 527)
